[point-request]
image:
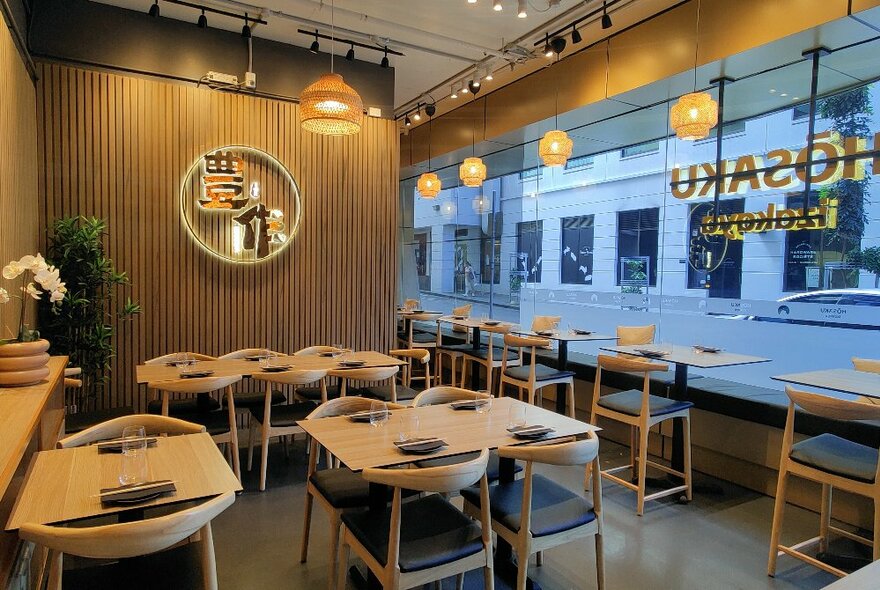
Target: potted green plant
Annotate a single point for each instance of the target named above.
(81, 327)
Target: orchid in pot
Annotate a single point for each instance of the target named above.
(37, 279)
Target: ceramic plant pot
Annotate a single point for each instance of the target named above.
(23, 363)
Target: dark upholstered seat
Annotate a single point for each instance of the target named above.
(285, 414)
(248, 399)
(182, 408)
(497, 353)
(554, 508)
(383, 392)
(342, 487)
(542, 373)
(314, 393)
(78, 422)
(179, 568)
(493, 471)
(432, 532)
(457, 347)
(836, 455)
(630, 402)
(214, 422)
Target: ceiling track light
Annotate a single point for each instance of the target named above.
(474, 86)
(430, 109)
(521, 9)
(349, 55)
(385, 63)
(154, 9)
(203, 21)
(315, 47)
(406, 121)
(496, 6)
(558, 44)
(453, 92)
(547, 51)
(575, 35)
(418, 115)
(246, 29)
(463, 89)
(606, 18)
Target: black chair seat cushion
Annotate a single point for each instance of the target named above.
(542, 373)
(214, 422)
(554, 508)
(78, 422)
(497, 353)
(249, 399)
(383, 392)
(285, 414)
(432, 532)
(179, 568)
(630, 402)
(836, 455)
(314, 393)
(181, 408)
(493, 471)
(342, 487)
(460, 348)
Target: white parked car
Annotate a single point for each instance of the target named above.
(832, 297)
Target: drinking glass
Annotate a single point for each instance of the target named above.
(340, 350)
(268, 360)
(378, 413)
(409, 425)
(516, 417)
(134, 455)
(183, 359)
(483, 406)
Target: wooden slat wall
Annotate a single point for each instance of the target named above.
(19, 234)
(118, 147)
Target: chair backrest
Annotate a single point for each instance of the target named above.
(626, 364)
(832, 407)
(866, 365)
(165, 358)
(446, 478)
(422, 355)
(130, 539)
(294, 377)
(579, 452)
(195, 385)
(342, 406)
(629, 335)
(409, 304)
(463, 310)
(445, 394)
(315, 350)
(545, 322)
(365, 373)
(152, 423)
(246, 352)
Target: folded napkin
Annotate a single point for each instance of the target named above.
(700, 348)
(114, 445)
(651, 353)
(195, 374)
(138, 492)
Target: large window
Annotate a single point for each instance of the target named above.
(637, 236)
(529, 250)
(577, 250)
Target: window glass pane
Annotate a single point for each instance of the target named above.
(577, 250)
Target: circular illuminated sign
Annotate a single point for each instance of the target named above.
(240, 204)
(705, 252)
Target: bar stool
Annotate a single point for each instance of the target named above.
(280, 420)
(404, 391)
(366, 374)
(536, 376)
(831, 461)
(222, 430)
(489, 356)
(413, 338)
(181, 407)
(453, 351)
(317, 394)
(641, 410)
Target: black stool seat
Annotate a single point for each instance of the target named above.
(179, 568)
(248, 399)
(542, 373)
(630, 402)
(383, 392)
(836, 455)
(78, 422)
(182, 408)
(432, 532)
(285, 414)
(554, 508)
(422, 338)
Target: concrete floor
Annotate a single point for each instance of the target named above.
(715, 542)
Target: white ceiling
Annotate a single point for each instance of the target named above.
(465, 32)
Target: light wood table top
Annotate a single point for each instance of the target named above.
(246, 368)
(418, 316)
(843, 380)
(686, 355)
(472, 322)
(359, 445)
(63, 485)
(566, 335)
(21, 409)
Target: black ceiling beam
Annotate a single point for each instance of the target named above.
(217, 11)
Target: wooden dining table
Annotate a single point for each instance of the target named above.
(842, 380)
(63, 485)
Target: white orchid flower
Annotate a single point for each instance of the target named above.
(48, 278)
(4, 296)
(13, 270)
(33, 263)
(32, 291)
(56, 296)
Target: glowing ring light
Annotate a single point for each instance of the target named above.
(240, 204)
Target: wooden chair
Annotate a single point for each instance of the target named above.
(404, 390)
(536, 513)
(831, 461)
(279, 420)
(81, 420)
(134, 540)
(489, 356)
(641, 410)
(152, 424)
(223, 430)
(866, 365)
(336, 488)
(536, 376)
(327, 390)
(366, 374)
(245, 400)
(631, 335)
(413, 338)
(181, 407)
(428, 538)
(410, 304)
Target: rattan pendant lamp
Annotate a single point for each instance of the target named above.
(330, 106)
(472, 171)
(695, 114)
(429, 184)
(555, 147)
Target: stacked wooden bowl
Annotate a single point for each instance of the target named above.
(23, 363)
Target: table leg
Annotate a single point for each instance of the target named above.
(561, 364)
(475, 368)
(679, 392)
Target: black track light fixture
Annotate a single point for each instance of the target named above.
(246, 29)
(154, 9)
(349, 55)
(547, 51)
(203, 21)
(430, 109)
(385, 63)
(575, 35)
(558, 44)
(406, 121)
(606, 18)
(315, 46)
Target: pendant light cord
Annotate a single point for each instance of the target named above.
(332, 32)
(697, 45)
